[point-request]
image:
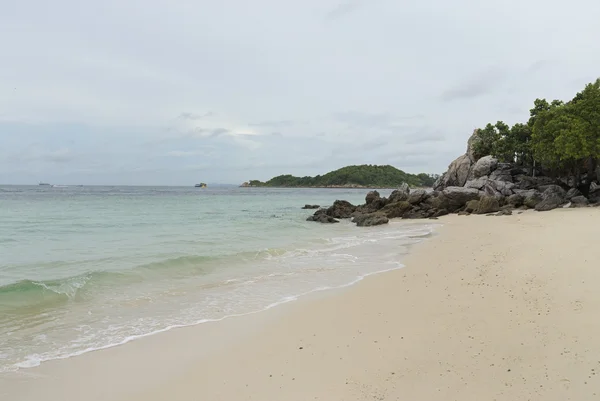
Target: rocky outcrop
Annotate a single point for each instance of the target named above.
(552, 197)
(484, 166)
(321, 216)
(371, 219)
(311, 206)
(341, 209)
(488, 204)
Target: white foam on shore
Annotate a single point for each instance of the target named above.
(415, 234)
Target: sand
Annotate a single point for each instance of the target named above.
(492, 308)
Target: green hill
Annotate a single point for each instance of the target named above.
(352, 176)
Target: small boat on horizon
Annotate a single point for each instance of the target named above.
(45, 184)
(201, 185)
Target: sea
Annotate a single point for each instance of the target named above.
(84, 268)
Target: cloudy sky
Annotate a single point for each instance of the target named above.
(176, 92)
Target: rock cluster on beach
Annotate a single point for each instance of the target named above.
(470, 186)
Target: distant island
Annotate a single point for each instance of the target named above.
(363, 176)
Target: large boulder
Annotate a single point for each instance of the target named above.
(484, 166)
(454, 198)
(341, 209)
(417, 196)
(320, 216)
(594, 195)
(400, 194)
(472, 206)
(372, 196)
(515, 200)
(371, 219)
(552, 197)
(579, 201)
(457, 174)
(572, 193)
(396, 209)
(532, 198)
(503, 172)
(488, 204)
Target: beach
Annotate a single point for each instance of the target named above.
(489, 308)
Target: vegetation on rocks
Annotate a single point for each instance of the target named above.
(352, 176)
(559, 139)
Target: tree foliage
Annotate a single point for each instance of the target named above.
(363, 175)
(560, 138)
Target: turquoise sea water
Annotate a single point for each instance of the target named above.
(85, 268)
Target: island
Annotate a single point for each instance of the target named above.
(362, 176)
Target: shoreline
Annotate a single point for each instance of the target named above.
(480, 311)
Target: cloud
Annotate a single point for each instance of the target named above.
(273, 124)
(344, 8)
(195, 116)
(479, 85)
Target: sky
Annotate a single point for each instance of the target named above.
(159, 92)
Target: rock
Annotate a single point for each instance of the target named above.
(594, 196)
(417, 196)
(572, 193)
(341, 209)
(484, 166)
(504, 212)
(400, 194)
(488, 204)
(321, 216)
(457, 174)
(371, 219)
(440, 213)
(478, 183)
(311, 207)
(503, 172)
(532, 198)
(456, 197)
(396, 209)
(552, 197)
(472, 206)
(526, 182)
(464, 213)
(371, 196)
(556, 189)
(515, 200)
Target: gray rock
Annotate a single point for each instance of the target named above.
(457, 197)
(464, 213)
(594, 196)
(532, 198)
(552, 197)
(321, 216)
(371, 196)
(484, 166)
(477, 183)
(457, 174)
(341, 209)
(417, 196)
(396, 209)
(311, 207)
(400, 194)
(372, 219)
(515, 200)
(572, 193)
(552, 188)
(504, 212)
(503, 172)
(472, 206)
(488, 204)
